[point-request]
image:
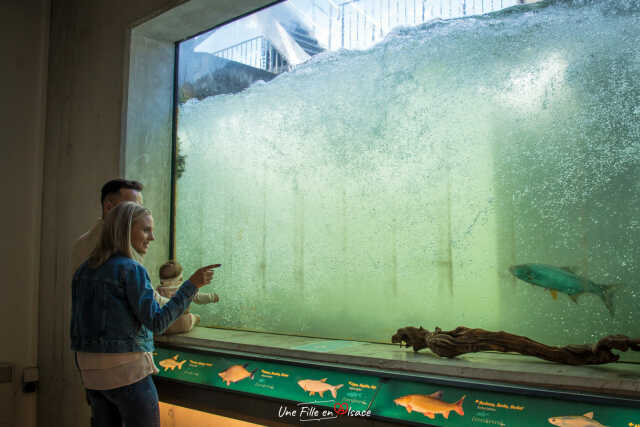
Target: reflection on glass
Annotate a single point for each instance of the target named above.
(283, 36)
(366, 190)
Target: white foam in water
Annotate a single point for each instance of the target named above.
(371, 190)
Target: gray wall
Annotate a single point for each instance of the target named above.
(23, 76)
(148, 136)
(65, 81)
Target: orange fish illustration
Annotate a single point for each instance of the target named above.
(315, 386)
(236, 373)
(171, 363)
(430, 404)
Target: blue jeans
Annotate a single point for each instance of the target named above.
(134, 405)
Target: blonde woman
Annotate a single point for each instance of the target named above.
(114, 317)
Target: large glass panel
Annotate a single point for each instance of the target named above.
(353, 179)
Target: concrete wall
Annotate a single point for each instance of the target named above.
(23, 77)
(86, 116)
(148, 136)
(87, 69)
(65, 85)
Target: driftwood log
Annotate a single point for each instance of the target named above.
(463, 340)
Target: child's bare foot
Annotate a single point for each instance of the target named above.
(197, 316)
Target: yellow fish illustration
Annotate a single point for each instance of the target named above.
(171, 363)
(585, 420)
(315, 386)
(430, 404)
(236, 373)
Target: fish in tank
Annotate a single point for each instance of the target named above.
(353, 188)
(565, 280)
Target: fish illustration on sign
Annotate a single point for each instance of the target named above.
(171, 363)
(236, 373)
(430, 405)
(565, 280)
(315, 386)
(585, 420)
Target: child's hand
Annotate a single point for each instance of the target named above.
(215, 298)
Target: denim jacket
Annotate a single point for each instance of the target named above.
(113, 309)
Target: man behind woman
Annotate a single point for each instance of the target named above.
(114, 317)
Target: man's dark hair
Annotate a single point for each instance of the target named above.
(115, 185)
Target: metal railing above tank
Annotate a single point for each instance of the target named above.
(354, 24)
(257, 52)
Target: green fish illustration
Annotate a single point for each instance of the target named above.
(563, 279)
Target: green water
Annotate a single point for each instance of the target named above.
(367, 191)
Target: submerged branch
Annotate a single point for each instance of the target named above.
(465, 340)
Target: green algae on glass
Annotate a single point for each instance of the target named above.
(370, 190)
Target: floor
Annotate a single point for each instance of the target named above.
(621, 378)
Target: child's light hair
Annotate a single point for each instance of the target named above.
(170, 270)
(116, 233)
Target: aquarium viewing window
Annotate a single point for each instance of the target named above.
(360, 166)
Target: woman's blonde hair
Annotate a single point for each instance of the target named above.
(116, 233)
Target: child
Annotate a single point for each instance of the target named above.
(170, 280)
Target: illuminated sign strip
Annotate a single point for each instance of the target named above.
(354, 394)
